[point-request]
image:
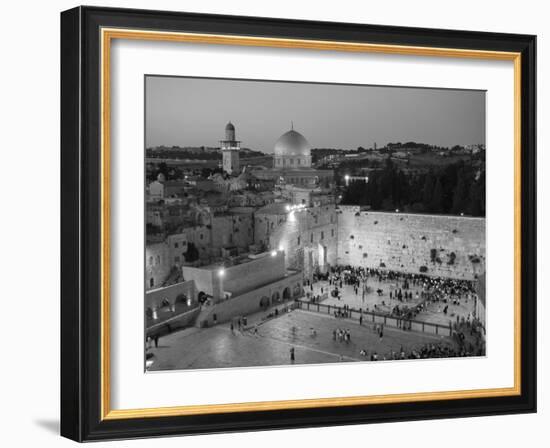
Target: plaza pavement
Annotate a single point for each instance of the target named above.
(269, 345)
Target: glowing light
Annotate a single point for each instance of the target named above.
(346, 177)
(462, 214)
(281, 248)
(295, 207)
(273, 253)
(396, 210)
(291, 216)
(221, 272)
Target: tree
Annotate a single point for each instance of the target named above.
(460, 196)
(427, 190)
(436, 204)
(192, 253)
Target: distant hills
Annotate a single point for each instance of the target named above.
(194, 152)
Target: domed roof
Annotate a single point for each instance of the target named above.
(292, 143)
(229, 127)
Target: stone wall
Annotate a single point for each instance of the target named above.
(406, 242)
(155, 297)
(206, 280)
(251, 302)
(239, 278)
(252, 274)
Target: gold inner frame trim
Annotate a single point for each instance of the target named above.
(107, 35)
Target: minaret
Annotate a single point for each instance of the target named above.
(230, 150)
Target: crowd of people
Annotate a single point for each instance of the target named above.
(414, 292)
(427, 351)
(341, 335)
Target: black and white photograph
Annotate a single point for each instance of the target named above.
(297, 223)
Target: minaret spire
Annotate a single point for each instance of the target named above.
(291, 125)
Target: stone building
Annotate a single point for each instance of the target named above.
(157, 264)
(308, 235)
(162, 188)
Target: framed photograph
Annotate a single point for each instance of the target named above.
(277, 224)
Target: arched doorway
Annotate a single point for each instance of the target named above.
(264, 302)
(182, 302)
(276, 297)
(286, 293)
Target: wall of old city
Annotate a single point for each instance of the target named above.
(406, 242)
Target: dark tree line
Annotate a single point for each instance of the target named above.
(454, 189)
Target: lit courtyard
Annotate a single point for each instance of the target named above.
(432, 314)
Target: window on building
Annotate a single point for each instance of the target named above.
(151, 282)
(176, 245)
(150, 261)
(158, 259)
(299, 241)
(311, 238)
(201, 236)
(332, 232)
(322, 235)
(176, 259)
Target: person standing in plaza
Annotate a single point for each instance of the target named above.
(292, 355)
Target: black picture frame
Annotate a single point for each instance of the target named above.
(81, 224)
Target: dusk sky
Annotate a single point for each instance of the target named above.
(194, 112)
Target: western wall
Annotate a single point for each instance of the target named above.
(449, 246)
